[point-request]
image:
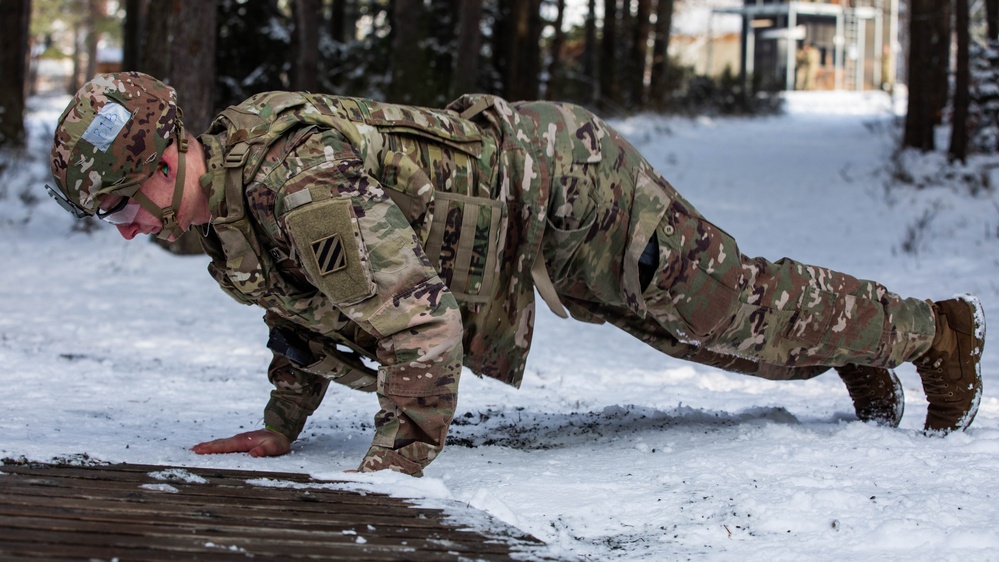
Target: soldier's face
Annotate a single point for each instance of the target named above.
(159, 189)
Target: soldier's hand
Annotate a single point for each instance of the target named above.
(259, 443)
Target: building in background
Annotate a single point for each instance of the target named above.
(855, 43)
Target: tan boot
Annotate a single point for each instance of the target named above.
(950, 370)
(877, 393)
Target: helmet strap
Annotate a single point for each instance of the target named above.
(168, 215)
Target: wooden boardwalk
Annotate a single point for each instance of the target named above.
(148, 513)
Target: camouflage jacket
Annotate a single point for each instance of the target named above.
(404, 234)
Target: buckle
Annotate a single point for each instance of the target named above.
(236, 156)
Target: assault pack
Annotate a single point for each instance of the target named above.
(458, 220)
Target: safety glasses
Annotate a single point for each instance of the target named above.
(114, 208)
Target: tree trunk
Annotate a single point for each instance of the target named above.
(555, 57)
(919, 119)
(132, 34)
(305, 45)
(608, 57)
(639, 52)
(658, 89)
(940, 61)
(96, 12)
(959, 127)
(466, 68)
(625, 37)
(155, 58)
(522, 55)
(90, 42)
(338, 21)
(181, 52)
(992, 19)
(192, 55)
(409, 62)
(590, 51)
(76, 78)
(14, 19)
(441, 52)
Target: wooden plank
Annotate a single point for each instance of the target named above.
(220, 546)
(102, 512)
(167, 513)
(388, 533)
(19, 551)
(139, 496)
(222, 488)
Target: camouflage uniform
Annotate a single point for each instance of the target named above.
(416, 238)
(705, 301)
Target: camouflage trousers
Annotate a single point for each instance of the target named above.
(623, 246)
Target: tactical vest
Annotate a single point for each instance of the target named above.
(438, 168)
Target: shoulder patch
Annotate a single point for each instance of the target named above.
(331, 249)
(329, 254)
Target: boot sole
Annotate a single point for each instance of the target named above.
(978, 322)
(899, 403)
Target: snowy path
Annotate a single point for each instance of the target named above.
(611, 451)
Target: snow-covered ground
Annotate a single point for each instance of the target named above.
(119, 352)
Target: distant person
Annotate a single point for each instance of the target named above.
(415, 238)
(808, 61)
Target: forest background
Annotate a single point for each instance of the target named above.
(612, 56)
(94, 388)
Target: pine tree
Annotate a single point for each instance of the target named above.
(983, 111)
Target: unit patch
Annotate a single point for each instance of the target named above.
(329, 254)
(333, 254)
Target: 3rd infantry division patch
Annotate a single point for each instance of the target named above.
(329, 254)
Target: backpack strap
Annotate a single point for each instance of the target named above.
(234, 160)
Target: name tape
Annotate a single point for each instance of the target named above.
(106, 125)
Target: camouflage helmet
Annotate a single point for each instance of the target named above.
(111, 137)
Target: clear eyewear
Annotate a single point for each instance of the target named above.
(122, 212)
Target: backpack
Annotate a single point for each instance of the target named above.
(464, 252)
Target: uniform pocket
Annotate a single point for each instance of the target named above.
(463, 243)
(699, 270)
(560, 246)
(705, 305)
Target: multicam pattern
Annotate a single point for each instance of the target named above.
(86, 164)
(566, 186)
(411, 324)
(706, 302)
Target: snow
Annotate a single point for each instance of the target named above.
(118, 352)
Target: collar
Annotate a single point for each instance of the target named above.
(214, 179)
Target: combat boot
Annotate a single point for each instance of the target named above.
(950, 370)
(876, 392)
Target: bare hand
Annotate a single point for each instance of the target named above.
(259, 443)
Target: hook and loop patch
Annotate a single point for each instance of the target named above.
(334, 253)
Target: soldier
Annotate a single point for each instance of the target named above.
(416, 238)
(807, 62)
